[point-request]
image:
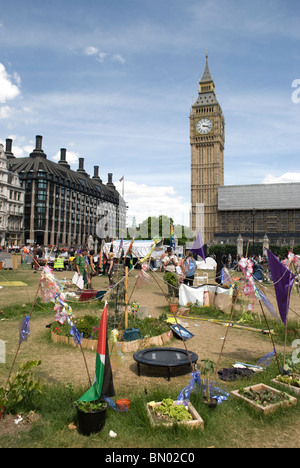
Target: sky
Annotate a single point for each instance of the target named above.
(113, 81)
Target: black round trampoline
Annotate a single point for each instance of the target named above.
(164, 357)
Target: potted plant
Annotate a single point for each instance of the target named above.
(172, 281)
(208, 369)
(91, 416)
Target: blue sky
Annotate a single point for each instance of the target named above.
(113, 82)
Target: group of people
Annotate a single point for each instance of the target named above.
(85, 266)
(184, 267)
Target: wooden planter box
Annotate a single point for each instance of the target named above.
(196, 422)
(125, 346)
(290, 401)
(287, 387)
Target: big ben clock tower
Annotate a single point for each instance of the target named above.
(207, 157)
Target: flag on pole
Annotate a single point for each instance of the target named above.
(197, 246)
(283, 280)
(172, 237)
(122, 178)
(103, 385)
(150, 253)
(129, 252)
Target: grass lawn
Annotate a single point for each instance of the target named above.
(63, 380)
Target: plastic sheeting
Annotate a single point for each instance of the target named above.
(206, 295)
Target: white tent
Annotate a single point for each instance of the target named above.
(140, 248)
(205, 295)
(210, 264)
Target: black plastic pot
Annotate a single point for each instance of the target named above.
(91, 423)
(211, 403)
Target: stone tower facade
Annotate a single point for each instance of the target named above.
(207, 138)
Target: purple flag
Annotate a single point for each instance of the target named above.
(197, 247)
(283, 280)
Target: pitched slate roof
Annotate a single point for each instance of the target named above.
(62, 174)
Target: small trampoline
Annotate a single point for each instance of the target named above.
(164, 357)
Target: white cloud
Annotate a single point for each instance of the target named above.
(8, 90)
(146, 200)
(91, 50)
(118, 58)
(288, 177)
(101, 56)
(6, 112)
(71, 157)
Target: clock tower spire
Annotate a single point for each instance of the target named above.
(207, 157)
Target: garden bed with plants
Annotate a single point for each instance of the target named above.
(169, 412)
(290, 383)
(263, 398)
(155, 331)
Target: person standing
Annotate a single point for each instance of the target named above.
(170, 261)
(110, 271)
(90, 268)
(190, 268)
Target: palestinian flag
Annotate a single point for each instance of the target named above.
(103, 385)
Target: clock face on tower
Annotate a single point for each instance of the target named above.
(204, 126)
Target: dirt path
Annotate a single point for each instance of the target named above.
(63, 364)
(66, 364)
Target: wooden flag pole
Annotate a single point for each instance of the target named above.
(126, 297)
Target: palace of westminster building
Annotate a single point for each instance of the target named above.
(225, 213)
(48, 203)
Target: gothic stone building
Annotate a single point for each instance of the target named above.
(224, 213)
(65, 207)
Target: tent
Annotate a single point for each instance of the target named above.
(206, 295)
(210, 264)
(140, 248)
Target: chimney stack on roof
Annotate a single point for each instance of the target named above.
(38, 151)
(63, 159)
(81, 167)
(96, 173)
(110, 182)
(8, 148)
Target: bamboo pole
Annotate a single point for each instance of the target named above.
(223, 344)
(270, 333)
(126, 297)
(176, 321)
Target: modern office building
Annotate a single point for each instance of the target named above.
(65, 207)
